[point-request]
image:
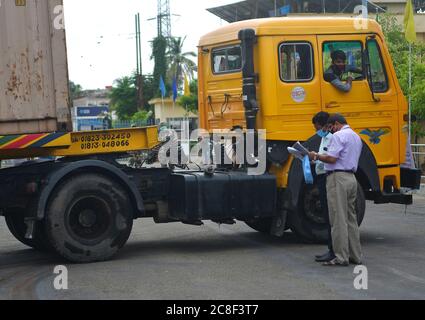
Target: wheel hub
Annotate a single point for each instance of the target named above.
(312, 206)
(87, 218)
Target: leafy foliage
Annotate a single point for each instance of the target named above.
(141, 116)
(75, 90)
(159, 49)
(124, 96)
(190, 103)
(179, 62)
(399, 50)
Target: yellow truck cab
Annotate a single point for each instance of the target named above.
(270, 74)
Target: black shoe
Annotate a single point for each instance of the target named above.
(321, 255)
(326, 258)
(336, 263)
(356, 263)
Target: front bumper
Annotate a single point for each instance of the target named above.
(410, 178)
(398, 198)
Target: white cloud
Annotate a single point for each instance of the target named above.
(100, 35)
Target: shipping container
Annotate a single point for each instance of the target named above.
(34, 94)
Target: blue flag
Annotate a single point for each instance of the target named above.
(162, 87)
(174, 89)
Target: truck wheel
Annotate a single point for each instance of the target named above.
(16, 225)
(89, 218)
(308, 221)
(261, 225)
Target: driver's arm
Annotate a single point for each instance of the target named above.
(337, 83)
(344, 87)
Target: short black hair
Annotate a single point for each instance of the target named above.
(321, 118)
(338, 54)
(337, 118)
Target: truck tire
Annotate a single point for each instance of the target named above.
(307, 220)
(261, 225)
(17, 227)
(89, 218)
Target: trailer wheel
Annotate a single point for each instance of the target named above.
(89, 218)
(308, 221)
(17, 227)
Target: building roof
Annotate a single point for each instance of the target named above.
(289, 26)
(252, 9)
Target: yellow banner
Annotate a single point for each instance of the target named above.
(409, 23)
(186, 87)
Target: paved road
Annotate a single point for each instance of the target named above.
(229, 262)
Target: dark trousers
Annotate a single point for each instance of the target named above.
(321, 183)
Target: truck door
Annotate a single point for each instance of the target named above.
(298, 86)
(374, 118)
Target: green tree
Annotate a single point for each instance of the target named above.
(190, 103)
(75, 90)
(141, 118)
(399, 50)
(159, 48)
(179, 62)
(124, 97)
(149, 90)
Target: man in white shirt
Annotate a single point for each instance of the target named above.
(320, 121)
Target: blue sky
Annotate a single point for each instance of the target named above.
(100, 35)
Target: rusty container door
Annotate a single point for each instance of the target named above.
(34, 95)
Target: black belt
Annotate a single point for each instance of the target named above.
(346, 171)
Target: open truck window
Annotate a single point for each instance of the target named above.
(227, 60)
(296, 62)
(377, 68)
(354, 53)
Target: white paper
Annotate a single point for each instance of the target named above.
(298, 151)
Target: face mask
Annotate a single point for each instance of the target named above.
(342, 68)
(339, 69)
(322, 133)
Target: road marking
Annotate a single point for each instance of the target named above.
(407, 276)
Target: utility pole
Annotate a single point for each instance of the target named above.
(163, 19)
(139, 75)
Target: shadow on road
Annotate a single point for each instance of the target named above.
(195, 245)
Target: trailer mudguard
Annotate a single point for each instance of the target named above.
(103, 167)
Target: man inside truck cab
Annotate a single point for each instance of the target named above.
(336, 71)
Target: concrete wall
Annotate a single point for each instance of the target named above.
(392, 6)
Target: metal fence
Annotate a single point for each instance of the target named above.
(100, 124)
(419, 155)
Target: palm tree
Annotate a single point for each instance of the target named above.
(179, 62)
